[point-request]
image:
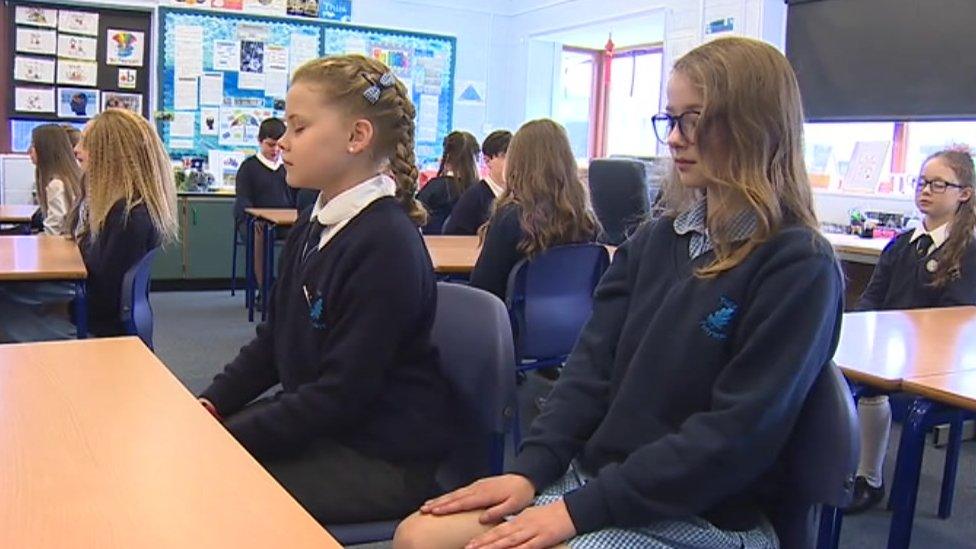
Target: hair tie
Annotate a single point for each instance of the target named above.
(376, 87)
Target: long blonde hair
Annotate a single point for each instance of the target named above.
(127, 162)
(542, 179)
(750, 136)
(343, 79)
(55, 160)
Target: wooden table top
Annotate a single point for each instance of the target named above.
(102, 447)
(856, 249)
(282, 217)
(956, 389)
(882, 348)
(453, 254)
(40, 257)
(12, 213)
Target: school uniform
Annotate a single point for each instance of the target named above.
(500, 251)
(439, 199)
(32, 312)
(260, 183)
(473, 208)
(902, 279)
(56, 207)
(362, 419)
(681, 391)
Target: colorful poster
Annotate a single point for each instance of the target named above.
(223, 166)
(77, 103)
(226, 55)
(40, 100)
(37, 41)
(77, 73)
(336, 10)
(190, 3)
(239, 127)
(251, 75)
(118, 100)
(38, 17)
(266, 7)
(127, 78)
(303, 8)
(34, 69)
(78, 22)
(77, 47)
(125, 47)
(234, 5)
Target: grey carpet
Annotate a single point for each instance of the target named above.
(198, 332)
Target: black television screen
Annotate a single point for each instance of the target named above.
(872, 60)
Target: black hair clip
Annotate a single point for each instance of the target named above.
(373, 92)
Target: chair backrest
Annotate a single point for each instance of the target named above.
(136, 311)
(474, 338)
(550, 298)
(819, 462)
(620, 194)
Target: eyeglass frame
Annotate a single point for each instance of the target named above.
(672, 122)
(920, 184)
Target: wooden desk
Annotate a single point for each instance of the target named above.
(458, 254)
(283, 217)
(10, 213)
(40, 257)
(103, 447)
(453, 254)
(882, 348)
(956, 389)
(47, 258)
(270, 218)
(856, 249)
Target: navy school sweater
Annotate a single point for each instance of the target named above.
(258, 187)
(682, 391)
(901, 279)
(471, 210)
(438, 198)
(348, 337)
(124, 239)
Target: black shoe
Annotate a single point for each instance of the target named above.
(865, 496)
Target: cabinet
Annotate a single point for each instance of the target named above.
(204, 249)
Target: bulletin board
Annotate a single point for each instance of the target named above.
(69, 62)
(221, 74)
(425, 63)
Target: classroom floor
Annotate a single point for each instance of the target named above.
(198, 332)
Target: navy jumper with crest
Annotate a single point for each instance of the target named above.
(902, 279)
(682, 390)
(348, 336)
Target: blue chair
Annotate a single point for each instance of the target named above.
(136, 311)
(472, 333)
(549, 300)
(818, 466)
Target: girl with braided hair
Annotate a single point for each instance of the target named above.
(360, 422)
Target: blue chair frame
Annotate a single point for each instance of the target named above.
(135, 309)
(473, 336)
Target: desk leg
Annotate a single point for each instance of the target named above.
(922, 416)
(831, 519)
(81, 309)
(249, 269)
(269, 249)
(951, 466)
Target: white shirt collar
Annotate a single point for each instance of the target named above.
(939, 235)
(495, 188)
(336, 213)
(267, 163)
